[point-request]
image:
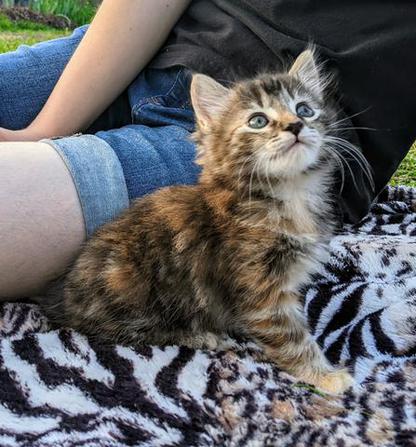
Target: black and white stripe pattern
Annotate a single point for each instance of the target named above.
(59, 388)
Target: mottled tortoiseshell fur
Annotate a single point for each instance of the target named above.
(228, 255)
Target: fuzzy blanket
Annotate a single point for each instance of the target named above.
(57, 388)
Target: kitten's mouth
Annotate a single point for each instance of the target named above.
(293, 145)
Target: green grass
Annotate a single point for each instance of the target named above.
(9, 41)
(406, 174)
(78, 12)
(22, 25)
(14, 34)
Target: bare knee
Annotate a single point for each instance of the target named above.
(41, 222)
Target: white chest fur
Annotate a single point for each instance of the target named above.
(303, 214)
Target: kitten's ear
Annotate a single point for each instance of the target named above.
(208, 98)
(306, 70)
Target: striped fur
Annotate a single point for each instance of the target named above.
(58, 387)
(189, 264)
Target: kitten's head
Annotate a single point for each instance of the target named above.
(273, 125)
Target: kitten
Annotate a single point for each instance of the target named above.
(187, 264)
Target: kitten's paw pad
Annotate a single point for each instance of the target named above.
(335, 382)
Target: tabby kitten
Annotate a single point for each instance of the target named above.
(229, 255)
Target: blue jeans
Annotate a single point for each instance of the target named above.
(141, 143)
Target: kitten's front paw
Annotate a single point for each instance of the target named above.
(335, 382)
(207, 341)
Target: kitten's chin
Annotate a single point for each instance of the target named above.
(296, 159)
(297, 146)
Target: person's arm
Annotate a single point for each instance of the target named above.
(121, 40)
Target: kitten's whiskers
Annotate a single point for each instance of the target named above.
(338, 160)
(355, 128)
(355, 153)
(268, 178)
(268, 167)
(251, 181)
(240, 172)
(341, 157)
(259, 177)
(335, 123)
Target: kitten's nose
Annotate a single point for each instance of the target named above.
(295, 127)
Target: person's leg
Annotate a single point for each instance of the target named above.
(156, 150)
(53, 195)
(41, 221)
(28, 75)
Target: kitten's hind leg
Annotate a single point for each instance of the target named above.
(286, 340)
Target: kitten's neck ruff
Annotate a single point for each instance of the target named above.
(306, 199)
(312, 188)
(303, 202)
(299, 204)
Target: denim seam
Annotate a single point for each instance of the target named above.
(153, 99)
(100, 211)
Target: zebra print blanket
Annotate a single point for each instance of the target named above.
(58, 388)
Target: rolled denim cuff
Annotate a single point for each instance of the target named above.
(97, 175)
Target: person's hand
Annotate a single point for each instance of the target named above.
(19, 135)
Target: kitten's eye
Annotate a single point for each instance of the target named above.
(304, 111)
(258, 121)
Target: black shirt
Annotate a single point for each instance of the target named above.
(371, 45)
